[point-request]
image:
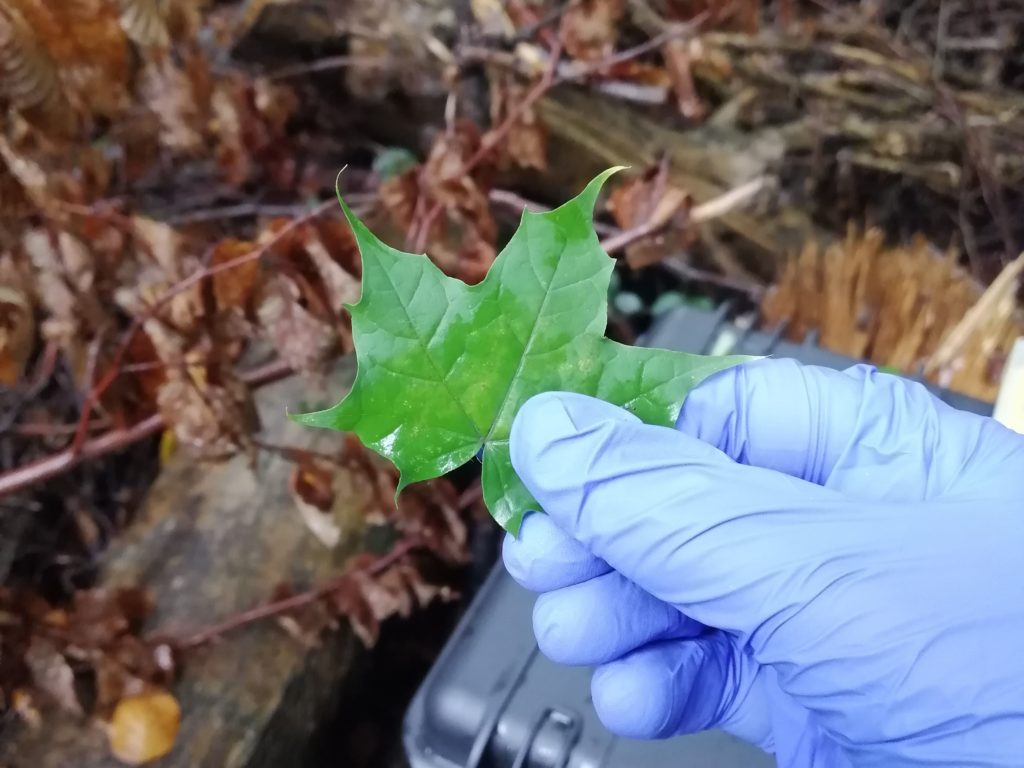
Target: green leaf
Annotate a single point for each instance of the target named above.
(443, 367)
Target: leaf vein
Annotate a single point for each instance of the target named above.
(529, 340)
(443, 377)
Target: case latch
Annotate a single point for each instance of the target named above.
(551, 740)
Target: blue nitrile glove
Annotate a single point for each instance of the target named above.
(829, 565)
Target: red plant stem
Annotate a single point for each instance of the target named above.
(117, 363)
(493, 138)
(37, 429)
(622, 240)
(673, 32)
(545, 84)
(285, 605)
(20, 478)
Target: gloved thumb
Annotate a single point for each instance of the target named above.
(732, 546)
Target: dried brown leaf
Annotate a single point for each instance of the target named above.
(312, 484)
(350, 602)
(443, 174)
(89, 48)
(29, 78)
(171, 94)
(526, 143)
(113, 683)
(677, 59)
(149, 375)
(650, 199)
(17, 324)
(15, 204)
(386, 595)
(96, 618)
(166, 262)
(145, 22)
(430, 512)
(590, 28)
(302, 340)
(65, 281)
(337, 237)
(249, 121)
(462, 241)
(399, 196)
(209, 408)
(52, 676)
(236, 286)
(342, 288)
(302, 255)
(162, 244)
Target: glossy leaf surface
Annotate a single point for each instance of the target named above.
(443, 367)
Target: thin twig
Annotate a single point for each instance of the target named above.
(684, 270)
(712, 209)
(41, 376)
(549, 79)
(627, 237)
(254, 210)
(674, 32)
(25, 476)
(140, 320)
(28, 475)
(728, 201)
(56, 430)
(286, 605)
(329, 64)
(554, 15)
(493, 138)
(517, 202)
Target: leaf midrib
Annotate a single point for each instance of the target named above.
(526, 347)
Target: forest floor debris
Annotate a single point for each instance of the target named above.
(169, 241)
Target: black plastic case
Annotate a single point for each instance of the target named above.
(493, 701)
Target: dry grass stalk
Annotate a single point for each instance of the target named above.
(897, 307)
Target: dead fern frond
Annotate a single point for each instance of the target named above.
(894, 306)
(29, 79)
(89, 48)
(145, 22)
(15, 205)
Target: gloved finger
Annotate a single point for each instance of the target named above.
(731, 546)
(836, 428)
(602, 619)
(684, 686)
(544, 557)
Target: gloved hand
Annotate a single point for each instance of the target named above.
(829, 565)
